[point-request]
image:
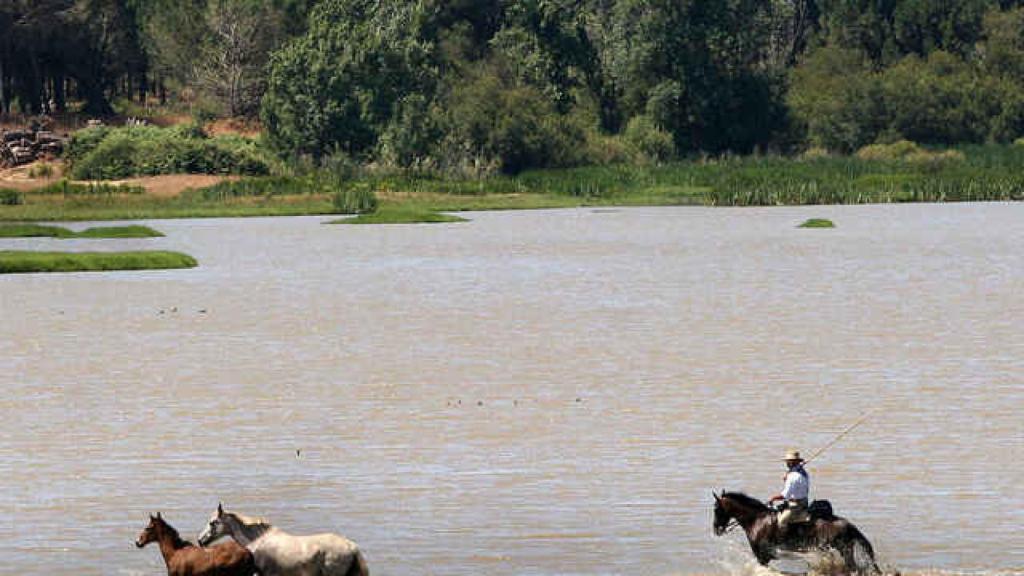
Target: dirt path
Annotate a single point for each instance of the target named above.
(162, 186)
(170, 185)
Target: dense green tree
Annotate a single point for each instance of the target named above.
(335, 88)
(482, 85)
(837, 98)
(693, 67)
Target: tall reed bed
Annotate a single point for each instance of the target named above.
(68, 188)
(980, 174)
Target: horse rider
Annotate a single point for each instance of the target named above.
(795, 492)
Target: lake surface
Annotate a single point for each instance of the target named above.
(542, 392)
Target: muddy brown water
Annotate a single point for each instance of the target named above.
(545, 392)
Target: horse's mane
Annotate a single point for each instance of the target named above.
(250, 521)
(178, 541)
(745, 500)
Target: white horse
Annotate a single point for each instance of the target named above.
(278, 553)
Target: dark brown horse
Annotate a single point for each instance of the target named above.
(186, 559)
(824, 532)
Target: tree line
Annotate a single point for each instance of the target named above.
(472, 86)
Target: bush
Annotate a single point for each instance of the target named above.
(836, 96)
(10, 198)
(108, 154)
(910, 152)
(491, 120)
(83, 142)
(356, 198)
(407, 140)
(844, 104)
(815, 153)
(41, 170)
(939, 100)
(895, 151)
(649, 142)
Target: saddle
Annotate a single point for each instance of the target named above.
(816, 510)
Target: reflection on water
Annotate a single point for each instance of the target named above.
(548, 392)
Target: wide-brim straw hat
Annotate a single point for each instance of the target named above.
(793, 455)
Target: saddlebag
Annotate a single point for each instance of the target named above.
(821, 509)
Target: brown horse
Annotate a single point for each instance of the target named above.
(186, 559)
(824, 532)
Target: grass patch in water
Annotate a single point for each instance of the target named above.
(817, 223)
(125, 204)
(401, 215)
(43, 231)
(118, 232)
(15, 262)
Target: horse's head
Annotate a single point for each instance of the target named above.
(722, 517)
(151, 533)
(215, 528)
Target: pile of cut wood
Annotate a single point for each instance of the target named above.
(19, 147)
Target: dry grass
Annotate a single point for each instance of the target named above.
(166, 186)
(238, 126)
(21, 178)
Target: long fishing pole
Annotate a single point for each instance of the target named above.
(849, 429)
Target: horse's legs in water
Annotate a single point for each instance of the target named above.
(849, 558)
(848, 550)
(850, 555)
(763, 554)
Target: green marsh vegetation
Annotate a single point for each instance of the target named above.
(104, 153)
(817, 223)
(65, 201)
(14, 262)
(401, 215)
(41, 231)
(901, 172)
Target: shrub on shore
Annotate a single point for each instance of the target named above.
(355, 198)
(347, 197)
(10, 198)
(103, 153)
(907, 151)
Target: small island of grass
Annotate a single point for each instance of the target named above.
(15, 262)
(817, 223)
(43, 231)
(396, 215)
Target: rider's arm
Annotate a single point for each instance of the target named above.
(787, 490)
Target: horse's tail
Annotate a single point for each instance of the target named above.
(857, 538)
(358, 566)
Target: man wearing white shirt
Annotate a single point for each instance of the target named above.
(795, 492)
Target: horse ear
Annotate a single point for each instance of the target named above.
(220, 508)
(158, 517)
(151, 517)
